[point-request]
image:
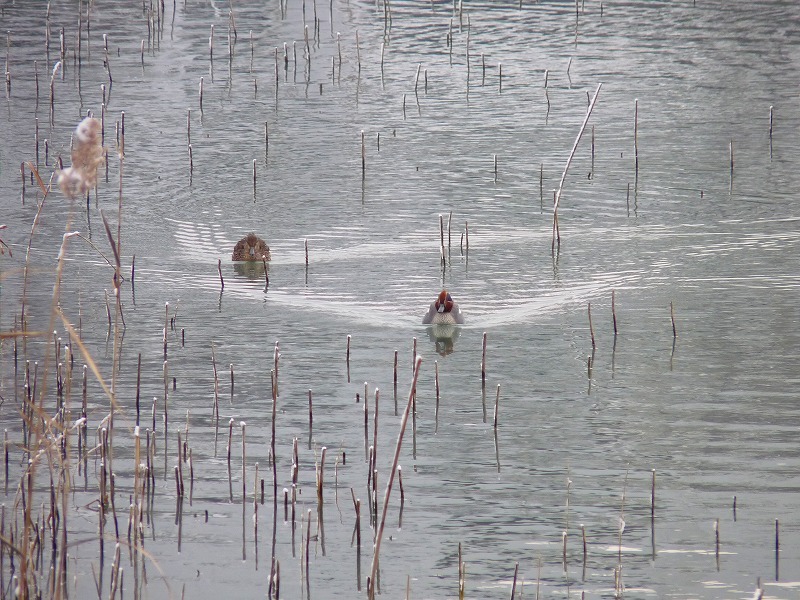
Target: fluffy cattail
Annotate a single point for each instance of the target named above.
(87, 156)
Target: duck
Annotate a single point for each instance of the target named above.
(250, 248)
(443, 311)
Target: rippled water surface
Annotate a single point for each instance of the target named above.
(708, 225)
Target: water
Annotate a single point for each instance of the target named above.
(712, 412)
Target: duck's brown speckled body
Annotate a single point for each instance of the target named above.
(251, 247)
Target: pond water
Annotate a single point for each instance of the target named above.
(712, 411)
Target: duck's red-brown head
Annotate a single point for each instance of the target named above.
(444, 303)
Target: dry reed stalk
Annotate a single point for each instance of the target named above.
(672, 318)
(307, 550)
(310, 416)
(614, 313)
(566, 167)
(390, 480)
(583, 536)
(777, 546)
(272, 446)
(320, 479)
(496, 406)
(653, 496)
(375, 428)
(363, 157)
(436, 386)
(243, 426)
(514, 582)
(441, 238)
(483, 362)
(462, 574)
(636, 136)
(770, 135)
(215, 407)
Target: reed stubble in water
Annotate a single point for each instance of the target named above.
(371, 587)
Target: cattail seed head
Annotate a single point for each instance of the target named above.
(87, 156)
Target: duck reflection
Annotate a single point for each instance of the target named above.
(250, 269)
(444, 337)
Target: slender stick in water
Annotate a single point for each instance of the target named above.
(636, 136)
(672, 317)
(363, 157)
(569, 160)
(441, 238)
(591, 327)
(483, 362)
(613, 313)
(383, 47)
(358, 53)
(496, 406)
(514, 582)
(219, 270)
(653, 496)
(770, 131)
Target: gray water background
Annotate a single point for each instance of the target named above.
(715, 414)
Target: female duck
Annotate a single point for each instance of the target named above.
(443, 311)
(251, 247)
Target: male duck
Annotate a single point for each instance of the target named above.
(443, 311)
(250, 247)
